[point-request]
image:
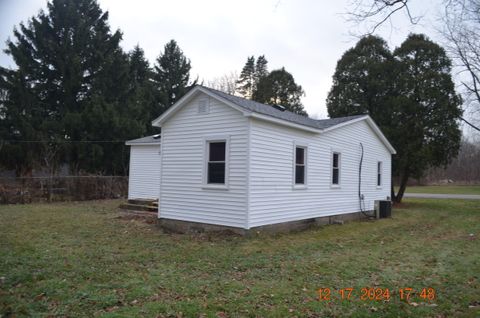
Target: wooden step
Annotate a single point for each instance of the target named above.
(143, 201)
(138, 207)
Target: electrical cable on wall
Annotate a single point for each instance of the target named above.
(361, 197)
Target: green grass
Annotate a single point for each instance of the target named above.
(79, 259)
(445, 189)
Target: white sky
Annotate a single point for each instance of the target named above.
(307, 37)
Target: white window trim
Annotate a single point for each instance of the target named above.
(206, 141)
(296, 186)
(379, 171)
(339, 185)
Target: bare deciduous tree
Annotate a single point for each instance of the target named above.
(374, 13)
(463, 169)
(461, 30)
(226, 83)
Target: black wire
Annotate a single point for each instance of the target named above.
(360, 198)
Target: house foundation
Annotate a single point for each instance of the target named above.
(178, 226)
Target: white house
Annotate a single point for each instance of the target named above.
(231, 162)
(144, 178)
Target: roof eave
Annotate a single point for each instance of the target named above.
(142, 143)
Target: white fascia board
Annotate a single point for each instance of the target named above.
(142, 144)
(283, 122)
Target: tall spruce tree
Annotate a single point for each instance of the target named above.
(71, 84)
(146, 101)
(246, 82)
(172, 74)
(261, 69)
(279, 88)
(411, 96)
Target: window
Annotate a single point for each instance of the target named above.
(379, 174)
(300, 160)
(336, 168)
(216, 162)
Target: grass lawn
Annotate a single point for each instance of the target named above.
(445, 189)
(79, 259)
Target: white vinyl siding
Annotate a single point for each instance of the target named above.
(272, 199)
(144, 174)
(183, 194)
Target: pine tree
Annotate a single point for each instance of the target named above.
(246, 82)
(172, 74)
(261, 70)
(71, 84)
(145, 100)
(279, 88)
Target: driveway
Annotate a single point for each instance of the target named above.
(442, 196)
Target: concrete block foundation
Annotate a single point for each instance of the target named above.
(178, 226)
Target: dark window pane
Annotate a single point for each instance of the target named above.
(335, 176)
(217, 151)
(300, 156)
(335, 160)
(300, 174)
(216, 172)
(379, 179)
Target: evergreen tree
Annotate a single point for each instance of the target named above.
(146, 100)
(19, 122)
(426, 111)
(172, 74)
(362, 80)
(71, 84)
(410, 95)
(246, 82)
(261, 69)
(279, 88)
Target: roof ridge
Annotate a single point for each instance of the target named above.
(269, 110)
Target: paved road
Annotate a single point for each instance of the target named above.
(443, 196)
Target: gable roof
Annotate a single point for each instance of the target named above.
(269, 113)
(144, 141)
(268, 110)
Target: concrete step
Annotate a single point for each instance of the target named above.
(138, 207)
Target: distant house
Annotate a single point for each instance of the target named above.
(226, 161)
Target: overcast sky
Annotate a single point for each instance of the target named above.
(307, 37)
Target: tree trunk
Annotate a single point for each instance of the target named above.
(393, 196)
(403, 185)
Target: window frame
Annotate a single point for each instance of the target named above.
(303, 185)
(206, 159)
(379, 174)
(339, 168)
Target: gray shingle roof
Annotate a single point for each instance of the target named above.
(145, 140)
(268, 110)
